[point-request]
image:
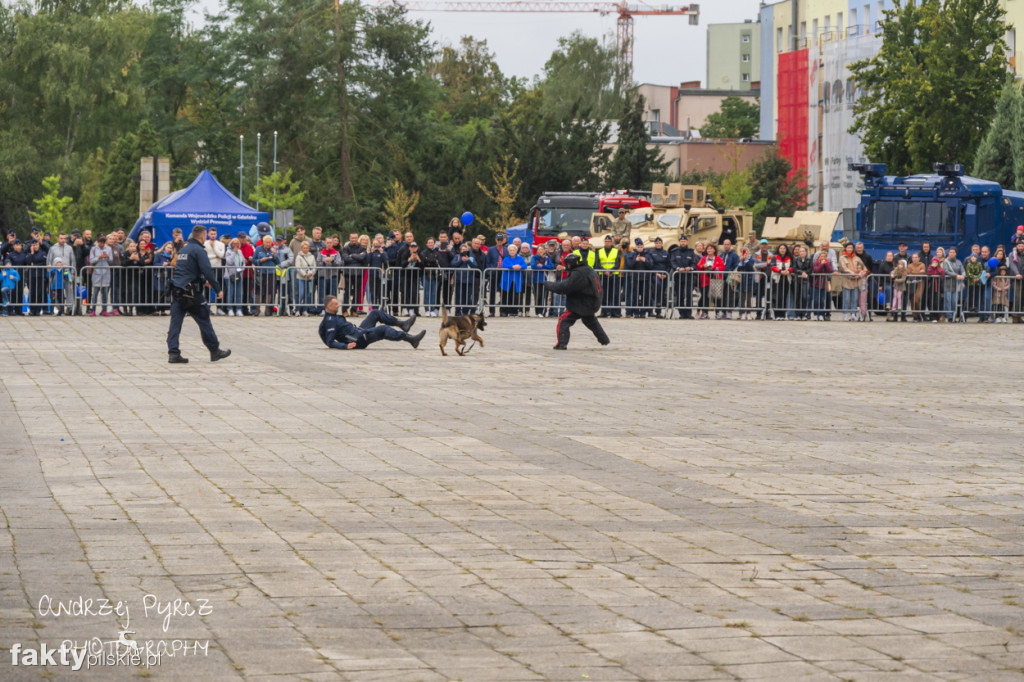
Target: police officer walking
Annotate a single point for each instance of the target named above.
(188, 296)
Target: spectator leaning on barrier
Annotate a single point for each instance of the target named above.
(955, 275)
(681, 261)
(284, 259)
(494, 258)
(732, 261)
(100, 259)
(659, 282)
(803, 268)
(1015, 267)
(511, 281)
(821, 277)
(215, 252)
(851, 268)
(638, 263)
(9, 278)
(609, 263)
(542, 267)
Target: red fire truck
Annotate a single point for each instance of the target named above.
(570, 212)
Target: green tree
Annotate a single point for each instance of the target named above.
(49, 213)
(504, 192)
(927, 94)
(398, 206)
(472, 83)
(735, 118)
(582, 75)
(998, 156)
(118, 204)
(773, 182)
(634, 166)
(278, 191)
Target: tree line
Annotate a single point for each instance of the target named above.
(369, 112)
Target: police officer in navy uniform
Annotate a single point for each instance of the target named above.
(192, 274)
(337, 332)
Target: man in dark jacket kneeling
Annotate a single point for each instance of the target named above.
(337, 332)
(582, 291)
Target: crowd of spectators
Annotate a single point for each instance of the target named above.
(271, 274)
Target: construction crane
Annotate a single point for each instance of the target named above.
(624, 25)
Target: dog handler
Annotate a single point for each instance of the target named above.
(192, 274)
(337, 332)
(582, 291)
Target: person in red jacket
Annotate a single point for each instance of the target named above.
(711, 286)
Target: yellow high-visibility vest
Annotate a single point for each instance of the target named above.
(609, 258)
(589, 259)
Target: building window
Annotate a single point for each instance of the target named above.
(745, 58)
(839, 24)
(778, 39)
(745, 38)
(745, 77)
(853, 22)
(656, 115)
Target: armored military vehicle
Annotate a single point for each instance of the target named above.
(678, 209)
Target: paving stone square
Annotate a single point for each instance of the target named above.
(698, 501)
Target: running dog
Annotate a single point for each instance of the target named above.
(460, 329)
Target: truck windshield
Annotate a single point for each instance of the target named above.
(553, 221)
(909, 217)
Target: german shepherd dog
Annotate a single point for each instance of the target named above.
(459, 329)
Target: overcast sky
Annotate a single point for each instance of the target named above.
(667, 49)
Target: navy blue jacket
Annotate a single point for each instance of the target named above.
(731, 260)
(659, 259)
(633, 264)
(495, 256)
(335, 328)
(193, 266)
(678, 257)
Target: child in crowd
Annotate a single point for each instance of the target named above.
(899, 289)
(59, 277)
(1001, 293)
(9, 278)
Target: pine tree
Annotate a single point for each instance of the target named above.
(998, 154)
(634, 166)
(118, 204)
(773, 181)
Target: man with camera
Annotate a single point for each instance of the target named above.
(192, 275)
(337, 332)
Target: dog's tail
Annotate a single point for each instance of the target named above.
(444, 316)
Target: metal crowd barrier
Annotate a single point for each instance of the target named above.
(37, 290)
(128, 290)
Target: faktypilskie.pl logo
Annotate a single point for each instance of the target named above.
(122, 649)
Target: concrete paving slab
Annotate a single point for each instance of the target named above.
(732, 500)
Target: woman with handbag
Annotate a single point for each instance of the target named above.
(711, 285)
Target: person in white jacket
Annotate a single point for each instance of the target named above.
(304, 271)
(63, 252)
(215, 252)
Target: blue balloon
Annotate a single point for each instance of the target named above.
(993, 262)
(467, 218)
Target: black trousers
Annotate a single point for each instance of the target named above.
(198, 311)
(568, 319)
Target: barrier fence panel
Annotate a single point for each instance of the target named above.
(37, 290)
(720, 295)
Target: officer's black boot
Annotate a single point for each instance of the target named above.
(414, 340)
(175, 358)
(407, 325)
(218, 354)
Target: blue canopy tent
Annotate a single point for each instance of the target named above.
(204, 202)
